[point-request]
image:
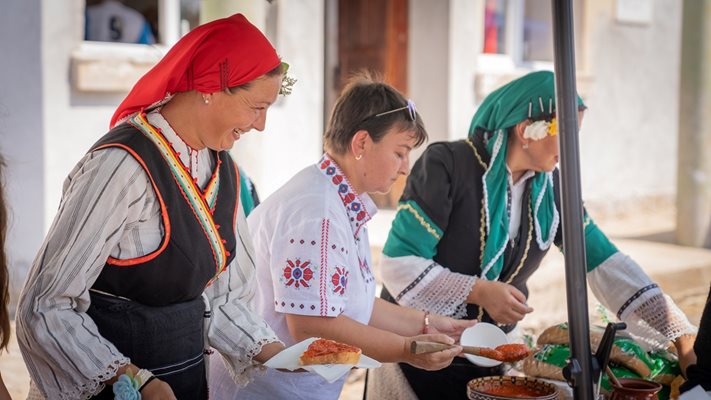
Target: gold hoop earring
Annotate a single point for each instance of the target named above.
(358, 157)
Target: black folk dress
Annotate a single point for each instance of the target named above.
(446, 185)
(151, 307)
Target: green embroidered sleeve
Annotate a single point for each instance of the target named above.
(598, 247)
(412, 233)
(425, 206)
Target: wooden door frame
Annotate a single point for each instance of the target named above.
(395, 60)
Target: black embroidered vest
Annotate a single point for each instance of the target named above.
(191, 252)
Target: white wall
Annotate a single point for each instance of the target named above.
(630, 79)
(629, 137)
(61, 122)
(292, 138)
(443, 43)
(466, 37)
(427, 59)
(21, 133)
(628, 140)
(73, 120)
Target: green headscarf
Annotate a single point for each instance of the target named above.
(532, 96)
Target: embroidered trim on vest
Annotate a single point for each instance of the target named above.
(237, 201)
(163, 212)
(234, 224)
(189, 189)
(213, 187)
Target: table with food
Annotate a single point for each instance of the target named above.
(535, 370)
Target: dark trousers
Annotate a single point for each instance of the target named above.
(166, 340)
(447, 383)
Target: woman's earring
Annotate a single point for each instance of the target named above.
(206, 99)
(525, 146)
(358, 157)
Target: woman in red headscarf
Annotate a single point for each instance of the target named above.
(148, 262)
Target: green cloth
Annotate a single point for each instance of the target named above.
(412, 233)
(598, 247)
(532, 96)
(245, 193)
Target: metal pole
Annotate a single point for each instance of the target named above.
(571, 202)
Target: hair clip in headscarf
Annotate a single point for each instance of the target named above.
(547, 126)
(287, 82)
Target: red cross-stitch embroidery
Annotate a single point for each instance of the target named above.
(340, 280)
(298, 274)
(365, 271)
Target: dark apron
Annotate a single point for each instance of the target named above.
(166, 340)
(447, 383)
(700, 373)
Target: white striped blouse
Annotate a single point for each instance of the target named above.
(109, 208)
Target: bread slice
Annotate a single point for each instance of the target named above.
(324, 351)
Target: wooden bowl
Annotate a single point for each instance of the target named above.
(510, 387)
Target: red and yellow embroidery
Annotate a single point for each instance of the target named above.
(201, 205)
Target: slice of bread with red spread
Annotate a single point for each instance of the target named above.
(324, 351)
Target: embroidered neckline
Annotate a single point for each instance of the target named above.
(356, 208)
(201, 207)
(211, 189)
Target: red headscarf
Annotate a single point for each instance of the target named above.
(223, 53)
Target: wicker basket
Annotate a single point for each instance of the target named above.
(539, 390)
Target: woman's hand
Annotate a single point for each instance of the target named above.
(430, 361)
(449, 326)
(157, 390)
(685, 350)
(504, 303)
(269, 350)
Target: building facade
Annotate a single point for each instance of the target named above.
(60, 90)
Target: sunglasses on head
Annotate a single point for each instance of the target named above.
(410, 107)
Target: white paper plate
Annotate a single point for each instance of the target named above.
(483, 335)
(289, 359)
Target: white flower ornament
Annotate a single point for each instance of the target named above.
(537, 130)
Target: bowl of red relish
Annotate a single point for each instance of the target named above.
(510, 387)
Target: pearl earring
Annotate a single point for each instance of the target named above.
(206, 100)
(525, 146)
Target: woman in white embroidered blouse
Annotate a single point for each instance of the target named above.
(314, 270)
(148, 261)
